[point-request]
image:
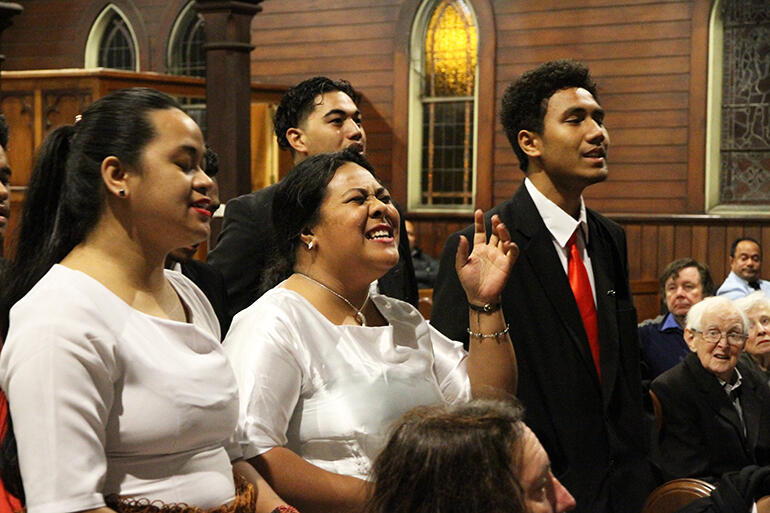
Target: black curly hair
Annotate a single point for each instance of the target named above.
(526, 100)
(299, 102)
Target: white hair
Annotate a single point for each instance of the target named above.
(748, 303)
(694, 318)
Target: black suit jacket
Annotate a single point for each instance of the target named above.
(211, 282)
(592, 430)
(245, 244)
(702, 435)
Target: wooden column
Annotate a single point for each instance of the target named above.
(7, 11)
(228, 89)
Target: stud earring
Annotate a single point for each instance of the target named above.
(310, 245)
(122, 193)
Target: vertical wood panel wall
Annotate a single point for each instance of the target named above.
(648, 57)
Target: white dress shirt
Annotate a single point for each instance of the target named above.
(561, 226)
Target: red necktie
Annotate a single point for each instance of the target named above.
(584, 297)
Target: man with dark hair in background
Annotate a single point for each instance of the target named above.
(573, 321)
(318, 115)
(745, 270)
(683, 283)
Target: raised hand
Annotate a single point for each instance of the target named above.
(485, 271)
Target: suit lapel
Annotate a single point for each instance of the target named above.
(536, 245)
(751, 407)
(601, 255)
(716, 397)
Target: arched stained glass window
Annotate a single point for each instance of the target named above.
(117, 49)
(442, 127)
(739, 134)
(186, 54)
(111, 42)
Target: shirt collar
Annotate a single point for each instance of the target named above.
(730, 387)
(559, 223)
(669, 322)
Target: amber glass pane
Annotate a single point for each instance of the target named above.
(450, 51)
(448, 112)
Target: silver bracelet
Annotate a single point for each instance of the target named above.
(489, 335)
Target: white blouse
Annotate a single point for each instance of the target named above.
(330, 393)
(106, 399)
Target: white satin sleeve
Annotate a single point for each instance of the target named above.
(451, 367)
(58, 371)
(269, 375)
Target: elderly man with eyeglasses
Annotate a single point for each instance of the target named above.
(716, 411)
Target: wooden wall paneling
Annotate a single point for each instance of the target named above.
(634, 244)
(486, 119)
(646, 294)
(649, 251)
(60, 106)
(665, 242)
(731, 233)
(765, 240)
(598, 33)
(700, 250)
(754, 231)
(697, 116)
(715, 247)
(574, 14)
(682, 242)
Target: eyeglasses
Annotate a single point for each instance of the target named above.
(713, 336)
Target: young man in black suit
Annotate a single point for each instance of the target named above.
(317, 115)
(578, 351)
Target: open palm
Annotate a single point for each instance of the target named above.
(485, 271)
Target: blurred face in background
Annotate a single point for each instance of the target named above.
(682, 291)
(5, 192)
(543, 493)
(758, 343)
(747, 260)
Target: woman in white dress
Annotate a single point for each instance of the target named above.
(325, 365)
(119, 391)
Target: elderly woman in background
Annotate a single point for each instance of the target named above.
(756, 354)
(716, 412)
(476, 457)
(325, 365)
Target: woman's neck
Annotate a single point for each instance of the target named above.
(353, 289)
(354, 309)
(129, 270)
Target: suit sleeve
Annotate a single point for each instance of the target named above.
(681, 450)
(241, 251)
(450, 305)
